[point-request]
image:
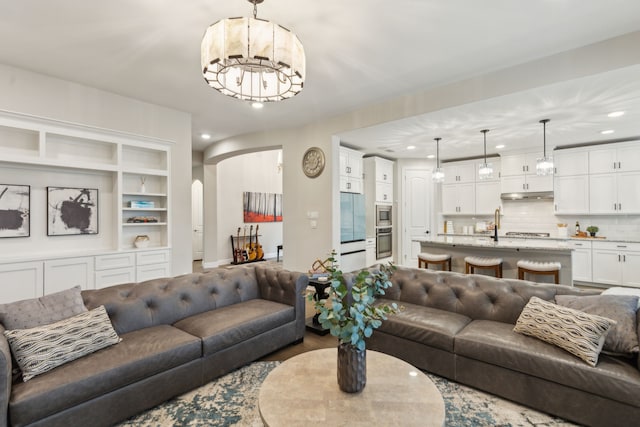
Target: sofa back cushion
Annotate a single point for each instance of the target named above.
(473, 295)
(164, 301)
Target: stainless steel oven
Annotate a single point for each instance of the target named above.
(383, 216)
(384, 242)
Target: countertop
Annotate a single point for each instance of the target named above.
(485, 241)
(551, 238)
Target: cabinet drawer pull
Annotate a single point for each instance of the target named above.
(621, 246)
(618, 257)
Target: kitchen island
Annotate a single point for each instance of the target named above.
(511, 250)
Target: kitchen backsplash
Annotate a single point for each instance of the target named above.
(538, 216)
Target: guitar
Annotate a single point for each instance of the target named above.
(258, 247)
(245, 255)
(251, 249)
(237, 252)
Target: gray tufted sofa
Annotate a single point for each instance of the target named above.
(461, 327)
(177, 334)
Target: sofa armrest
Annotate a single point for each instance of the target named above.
(5, 378)
(286, 287)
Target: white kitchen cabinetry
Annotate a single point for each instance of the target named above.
(622, 157)
(351, 170)
(378, 177)
(518, 173)
(570, 162)
(487, 197)
(571, 181)
(458, 198)
(581, 260)
(614, 193)
(616, 263)
(459, 172)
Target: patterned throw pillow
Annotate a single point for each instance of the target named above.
(622, 339)
(579, 333)
(43, 348)
(50, 308)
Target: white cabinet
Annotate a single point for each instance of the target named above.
(465, 193)
(581, 260)
(571, 162)
(623, 157)
(614, 193)
(458, 198)
(487, 197)
(518, 173)
(65, 273)
(459, 172)
(113, 269)
(20, 280)
(571, 194)
(616, 263)
(378, 177)
(350, 170)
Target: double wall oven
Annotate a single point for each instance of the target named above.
(384, 232)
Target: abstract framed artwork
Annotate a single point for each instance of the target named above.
(15, 218)
(262, 207)
(72, 211)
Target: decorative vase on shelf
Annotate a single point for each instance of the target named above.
(141, 241)
(352, 368)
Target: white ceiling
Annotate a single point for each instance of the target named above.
(358, 52)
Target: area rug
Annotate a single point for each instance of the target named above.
(232, 400)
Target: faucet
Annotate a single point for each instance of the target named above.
(496, 224)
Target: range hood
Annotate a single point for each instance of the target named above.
(532, 195)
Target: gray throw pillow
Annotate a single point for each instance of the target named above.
(40, 349)
(50, 308)
(579, 333)
(622, 338)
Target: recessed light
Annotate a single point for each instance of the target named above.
(607, 132)
(431, 156)
(616, 114)
(205, 136)
(500, 146)
(257, 105)
(411, 147)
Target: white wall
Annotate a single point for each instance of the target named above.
(320, 194)
(40, 95)
(255, 172)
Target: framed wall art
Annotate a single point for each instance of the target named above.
(262, 207)
(15, 218)
(72, 211)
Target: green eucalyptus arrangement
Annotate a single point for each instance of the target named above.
(350, 314)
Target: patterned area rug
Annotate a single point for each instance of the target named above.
(232, 401)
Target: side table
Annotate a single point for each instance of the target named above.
(312, 322)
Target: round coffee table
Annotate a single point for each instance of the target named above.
(304, 391)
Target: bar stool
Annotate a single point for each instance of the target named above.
(535, 267)
(425, 258)
(473, 262)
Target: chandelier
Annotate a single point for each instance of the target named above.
(438, 174)
(485, 170)
(544, 165)
(252, 59)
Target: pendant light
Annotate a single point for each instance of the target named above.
(438, 174)
(486, 169)
(544, 165)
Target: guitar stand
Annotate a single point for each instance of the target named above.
(237, 253)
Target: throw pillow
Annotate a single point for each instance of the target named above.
(34, 312)
(622, 338)
(43, 348)
(579, 333)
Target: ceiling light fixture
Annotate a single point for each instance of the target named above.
(500, 146)
(257, 105)
(438, 174)
(252, 59)
(431, 156)
(607, 132)
(544, 165)
(485, 171)
(616, 114)
(205, 136)
(411, 147)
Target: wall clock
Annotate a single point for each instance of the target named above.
(313, 162)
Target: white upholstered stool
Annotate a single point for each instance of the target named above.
(424, 259)
(473, 262)
(535, 267)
